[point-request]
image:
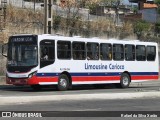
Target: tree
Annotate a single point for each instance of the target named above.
(140, 28)
(71, 8)
(157, 25)
(158, 4)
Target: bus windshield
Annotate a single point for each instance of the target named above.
(22, 55)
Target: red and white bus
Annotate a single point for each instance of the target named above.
(38, 60)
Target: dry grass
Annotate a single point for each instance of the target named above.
(20, 20)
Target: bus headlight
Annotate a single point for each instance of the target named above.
(32, 74)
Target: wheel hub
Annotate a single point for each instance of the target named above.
(125, 80)
(63, 82)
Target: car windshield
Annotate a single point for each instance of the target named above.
(22, 55)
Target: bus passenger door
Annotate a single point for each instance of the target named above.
(47, 52)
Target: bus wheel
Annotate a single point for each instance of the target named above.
(125, 80)
(36, 87)
(63, 82)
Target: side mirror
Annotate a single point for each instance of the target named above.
(4, 49)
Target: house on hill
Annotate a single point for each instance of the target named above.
(147, 9)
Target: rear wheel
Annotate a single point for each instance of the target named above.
(63, 82)
(124, 81)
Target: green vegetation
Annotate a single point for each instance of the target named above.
(140, 28)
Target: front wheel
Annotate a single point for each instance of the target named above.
(63, 82)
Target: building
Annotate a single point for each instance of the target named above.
(147, 9)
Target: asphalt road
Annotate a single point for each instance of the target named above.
(92, 108)
(139, 97)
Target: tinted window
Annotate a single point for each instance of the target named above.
(118, 52)
(47, 52)
(93, 51)
(78, 49)
(151, 53)
(64, 50)
(129, 52)
(105, 51)
(140, 53)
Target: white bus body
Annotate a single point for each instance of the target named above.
(67, 72)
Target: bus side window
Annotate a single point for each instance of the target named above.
(140, 53)
(129, 52)
(92, 51)
(106, 51)
(151, 53)
(44, 53)
(78, 50)
(47, 55)
(118, 52)
(64, 49)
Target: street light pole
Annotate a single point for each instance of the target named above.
(48, 16)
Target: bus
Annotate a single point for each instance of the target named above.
(38, 60)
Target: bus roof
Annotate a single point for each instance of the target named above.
(94, 39)
(79, 38)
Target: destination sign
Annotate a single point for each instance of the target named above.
(22, 39)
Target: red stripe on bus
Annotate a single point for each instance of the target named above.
(36, 80)
(143, 77)
(93, 78)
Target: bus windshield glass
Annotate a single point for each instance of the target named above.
(22, 53)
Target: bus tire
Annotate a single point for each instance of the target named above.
(63, 82)
(125, 80)
(36, 87)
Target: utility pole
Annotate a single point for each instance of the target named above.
(3, 14)
(34, 5)
(48, 16)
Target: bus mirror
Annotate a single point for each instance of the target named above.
(4, 49)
